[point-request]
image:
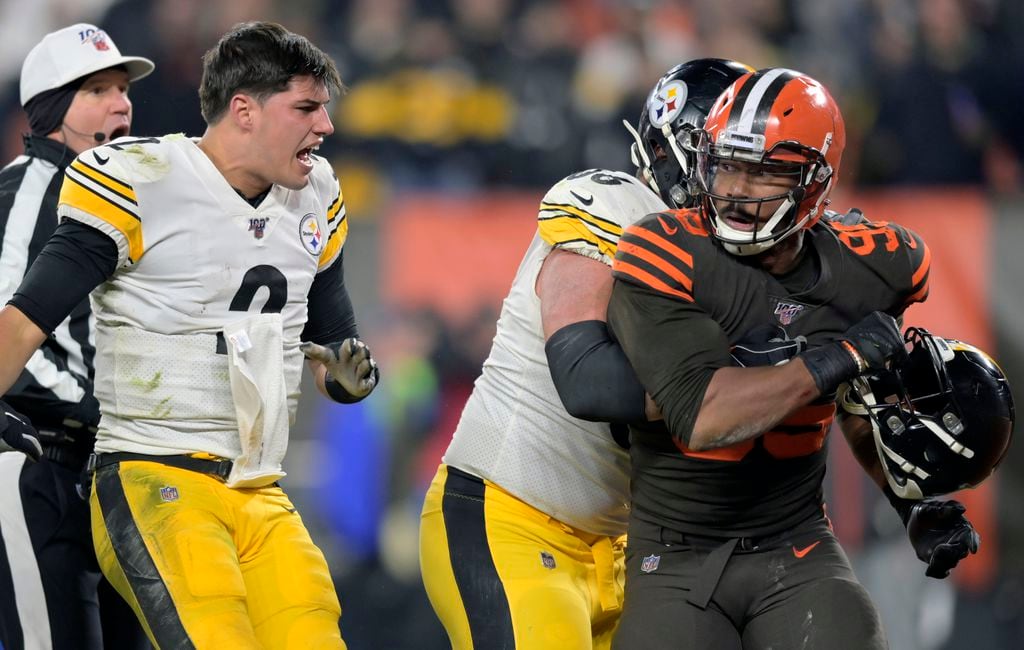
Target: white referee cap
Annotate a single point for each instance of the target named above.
(71, 53)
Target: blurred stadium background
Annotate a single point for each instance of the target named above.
(459, 115)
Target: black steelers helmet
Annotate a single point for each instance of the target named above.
(678, 104)
(942, 419)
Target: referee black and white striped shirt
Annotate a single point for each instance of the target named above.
(55, 389)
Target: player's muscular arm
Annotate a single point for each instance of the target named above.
(743, 403)
(592, 376)
(20, 337)
(682, 357)
(572, 288)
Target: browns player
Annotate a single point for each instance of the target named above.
(729, 543)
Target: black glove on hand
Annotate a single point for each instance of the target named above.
(16, 434)
(351, 371)
(939, 532)
(766, 345)
(868, 345)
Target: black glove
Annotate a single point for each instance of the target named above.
(351, 371)
(866, 346)
(17, 434)
(766, 345)
(939, 532)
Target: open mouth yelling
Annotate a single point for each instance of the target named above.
(305, 156)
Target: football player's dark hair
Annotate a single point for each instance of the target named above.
(259, 59)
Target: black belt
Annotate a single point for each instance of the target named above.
(219, 468)
(66, 455)
(669, 536)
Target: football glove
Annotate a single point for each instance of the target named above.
(351, 371)
(868, 345)
(939, 532)
(766, 345)
(17, 434)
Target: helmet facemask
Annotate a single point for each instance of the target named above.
(671, 170)
(678, 104)
(799, 206)
(941, 420)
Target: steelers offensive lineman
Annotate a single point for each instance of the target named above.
(216, 264)
(521, 538)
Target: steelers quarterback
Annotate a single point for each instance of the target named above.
(215, 266)
(522, 528)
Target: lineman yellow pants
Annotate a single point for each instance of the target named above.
(502, 574)
(207, 566)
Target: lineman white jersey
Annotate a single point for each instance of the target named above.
(514, 430)
(195, 260)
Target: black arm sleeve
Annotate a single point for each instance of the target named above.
(592, 375)
(75, 260)
(674, 347)
(331, 317)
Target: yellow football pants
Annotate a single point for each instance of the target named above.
(502, 574)
(207, 566)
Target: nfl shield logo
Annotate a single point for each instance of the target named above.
(547, 560)
(786, 312)
(650, 563)
(169, 493)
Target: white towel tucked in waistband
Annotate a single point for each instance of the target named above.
(256, 370)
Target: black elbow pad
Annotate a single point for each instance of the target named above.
(592, 375)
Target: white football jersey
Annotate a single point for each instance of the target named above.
(514, 431)
(193, 258)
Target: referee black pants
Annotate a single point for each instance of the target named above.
(52, 594)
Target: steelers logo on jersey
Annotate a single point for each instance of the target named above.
(666, 103)
(312, 236)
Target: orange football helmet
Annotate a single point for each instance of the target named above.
(777, 119)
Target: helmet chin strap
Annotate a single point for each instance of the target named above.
(638, 156)
(908, 490)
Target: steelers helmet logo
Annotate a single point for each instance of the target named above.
(311, 234)
(666, 103)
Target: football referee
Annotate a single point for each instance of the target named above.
(74, 89)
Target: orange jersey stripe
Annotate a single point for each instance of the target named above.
(648, 280)
(663, 244)
(659, 262)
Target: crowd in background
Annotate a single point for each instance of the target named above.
(462, 96)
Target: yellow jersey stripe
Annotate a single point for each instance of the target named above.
(335, 208)
(108, 182)
(76, 195)
(609, 227)
(334, 243)
(568, 229)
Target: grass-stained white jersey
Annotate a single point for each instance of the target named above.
(514, 430)
(194, 261)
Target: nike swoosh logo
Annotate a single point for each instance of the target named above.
(100, 159)
(804, 551)
(671, 230)
(584, 201)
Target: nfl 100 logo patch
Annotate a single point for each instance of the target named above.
(168, 493)
(258, 226)
(787, 312)
(650, 563)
